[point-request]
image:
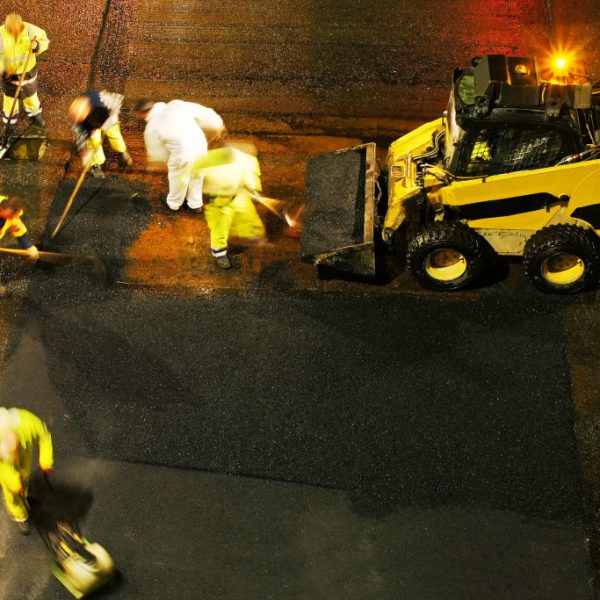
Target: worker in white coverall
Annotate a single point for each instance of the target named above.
(178, 133)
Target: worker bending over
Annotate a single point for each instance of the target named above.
(95, 115)
(178, 133)
(11, 211)
(230, 212)
(17, 38)
(20, 432)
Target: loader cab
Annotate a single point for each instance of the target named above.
(502, 118)
(510, 144)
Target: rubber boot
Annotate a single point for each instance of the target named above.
(37, 121)
(96, 172)
(223, 262)
(124, 159)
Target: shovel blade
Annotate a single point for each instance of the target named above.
(25, 147)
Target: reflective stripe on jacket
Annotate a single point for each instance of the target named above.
(13, 51)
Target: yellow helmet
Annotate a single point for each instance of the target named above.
(14, 23)
(80, 108)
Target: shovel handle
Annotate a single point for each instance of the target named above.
(18, 92)
(42, 254)
(70, 201)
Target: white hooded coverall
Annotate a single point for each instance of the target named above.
(174, 135)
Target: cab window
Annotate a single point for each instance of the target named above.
(492, 151)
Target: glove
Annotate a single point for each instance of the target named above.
(47, 470)
(33, 253)
(35, 45)
(86, 158)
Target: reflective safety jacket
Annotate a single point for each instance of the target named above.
(242, 174)
(174, 131)
(31, 431)
(105, 112)
(16, 227)
(13, 51)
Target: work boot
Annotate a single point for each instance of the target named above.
(4, 292)
(24, 527)
(96, 172)
(196, 210)
(124, 159)
(37, 120)
(223, 262)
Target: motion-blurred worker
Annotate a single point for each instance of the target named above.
(16, 39)
(20, 432)
(178, 133)
(11, 210)
(95, 115)
(230, 212)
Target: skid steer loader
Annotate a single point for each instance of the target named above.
(511, 169)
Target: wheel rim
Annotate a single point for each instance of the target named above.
(563, 269)
(445, 264)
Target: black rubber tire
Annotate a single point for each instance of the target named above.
(450, 235)
(555, 240)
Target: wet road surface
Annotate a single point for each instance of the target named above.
(362, 441)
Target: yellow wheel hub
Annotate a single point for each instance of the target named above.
(563, 269)
(445, 264)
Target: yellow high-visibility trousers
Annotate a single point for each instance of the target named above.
(15, 504)
(115, 139)
(232, 217)
(32, 107)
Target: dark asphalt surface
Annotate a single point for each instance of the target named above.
(333, 392)
(387, 395)
(443, 413)
(191, 535)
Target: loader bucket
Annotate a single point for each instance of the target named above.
(26, 147)
(339, 214)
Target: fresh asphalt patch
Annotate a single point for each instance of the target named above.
(388, 396)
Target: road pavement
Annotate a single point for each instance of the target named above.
(260, 434)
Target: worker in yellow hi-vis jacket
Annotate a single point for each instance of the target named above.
(17, 38)
(11, 211)
(20, 432)
(229, 209)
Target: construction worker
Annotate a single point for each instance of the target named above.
(95, 115)
(11, 210)
(20, 432)
(230, 212)
(177, 133)
(17, 38)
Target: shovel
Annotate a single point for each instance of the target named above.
(99, 267)
(53, 257)
(5, 145)
(59, 225)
